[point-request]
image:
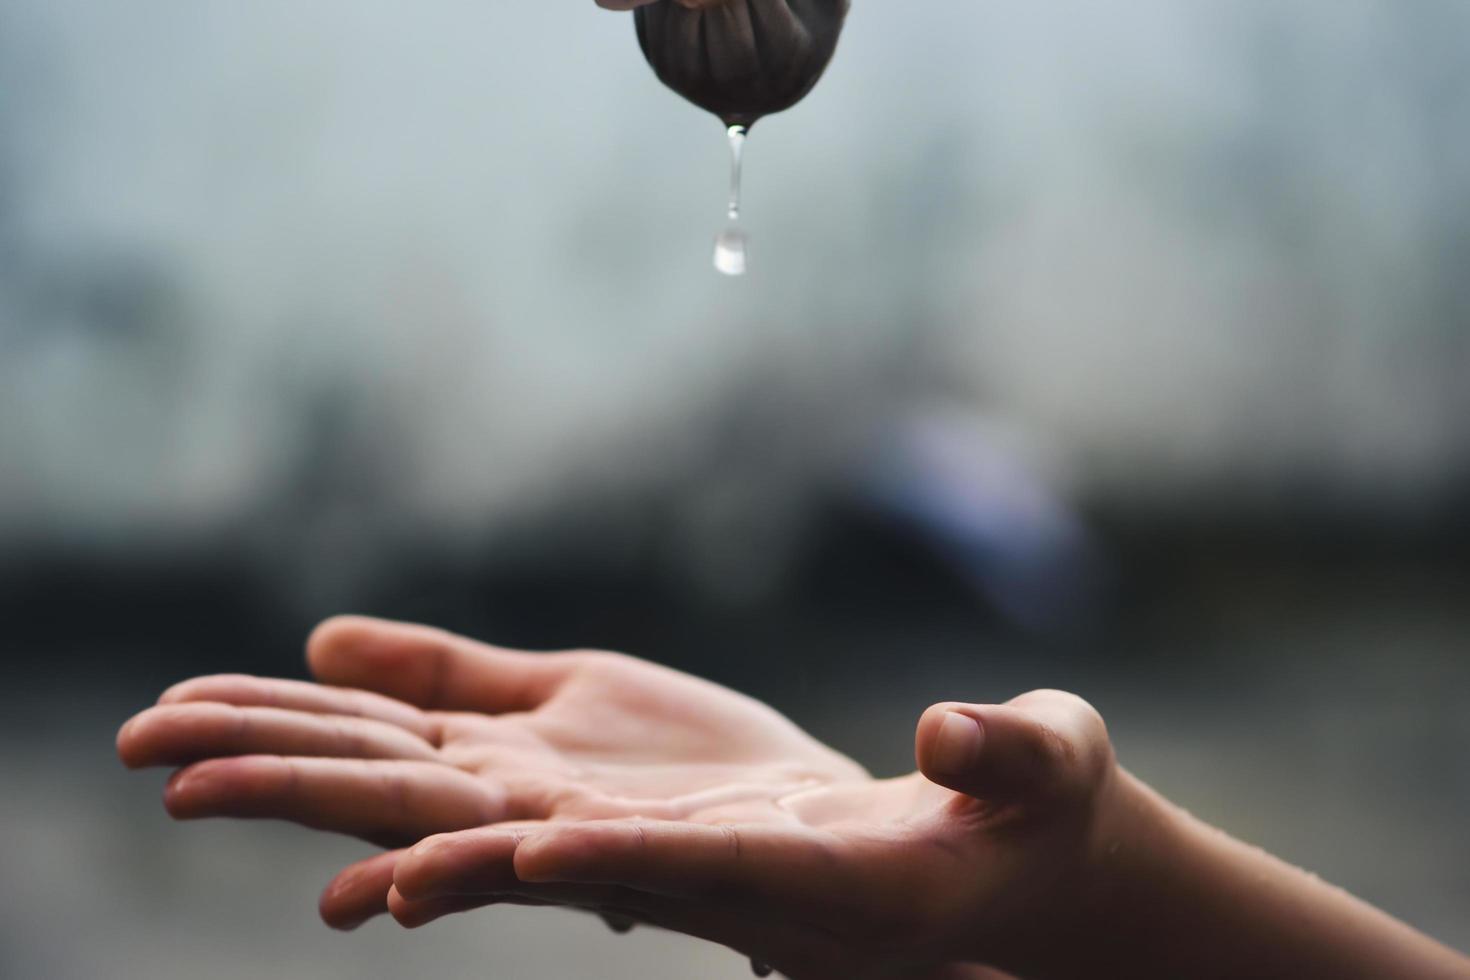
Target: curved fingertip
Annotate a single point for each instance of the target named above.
(127, 745)
(205, 788)
(411, 914)
(143, 739)
(358, 893)
(401, 909)
(180, 692)
(331, 636)
(172, 794)
(180, 794)
(973, 749)
(371, 654)
(337, 916)
(951, 745)
(211, 687)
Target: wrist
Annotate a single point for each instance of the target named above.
(1106, 887)
(1161, 894)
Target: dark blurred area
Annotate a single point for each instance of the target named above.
(1120, 351)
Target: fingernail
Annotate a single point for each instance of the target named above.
(957, 746)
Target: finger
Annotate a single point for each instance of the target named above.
(773, 867)
(472, 862)
(432, 668)
(480, 861)
(385, 802)
(734, 53)
(783, 38)
(175, 734)
(365, 890)
(415, 915)
(1039, 747)
(267, 692)
(413, 912)
(750, 932)
(359, 892)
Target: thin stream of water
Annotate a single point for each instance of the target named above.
(732, 243)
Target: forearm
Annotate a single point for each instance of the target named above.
(1173, 897)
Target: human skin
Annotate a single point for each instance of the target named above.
(600, 782)
(416, 731)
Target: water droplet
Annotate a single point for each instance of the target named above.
(620, 924)
(730, 246)
(761, 969)
(732, 243)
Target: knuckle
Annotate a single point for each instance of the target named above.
(1067, 740)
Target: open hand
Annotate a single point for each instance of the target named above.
(982, 856)
(423, 732)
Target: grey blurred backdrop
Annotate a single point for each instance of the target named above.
(1118, 349)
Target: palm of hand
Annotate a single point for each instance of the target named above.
(459, 734)
(621, 738)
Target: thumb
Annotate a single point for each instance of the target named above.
(1041, 746)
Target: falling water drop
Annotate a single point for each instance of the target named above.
(761, 969)
(731, 244)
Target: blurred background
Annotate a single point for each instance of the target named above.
(1124, 351)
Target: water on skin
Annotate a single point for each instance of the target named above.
(732, 243)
